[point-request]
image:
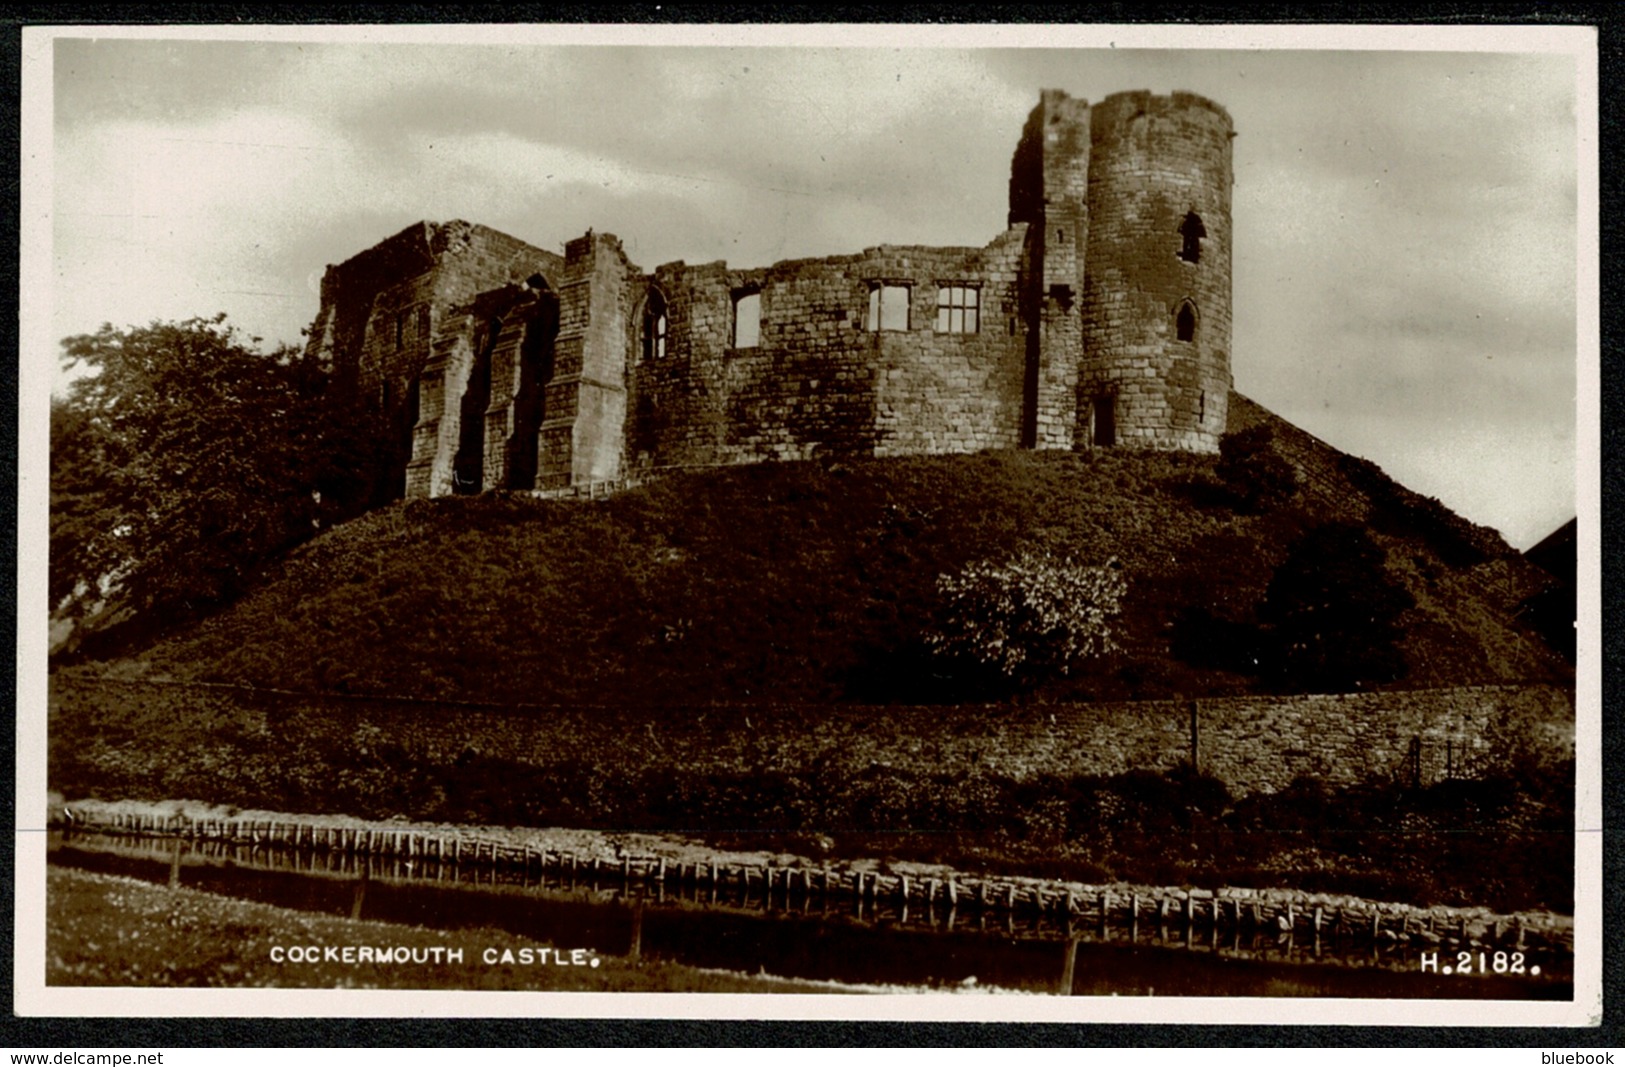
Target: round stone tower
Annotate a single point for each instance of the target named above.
(1155, 369)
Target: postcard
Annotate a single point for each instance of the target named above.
(1010, 522)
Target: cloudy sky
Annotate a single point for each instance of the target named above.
(1405, 221)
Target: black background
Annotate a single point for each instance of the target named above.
(86, 1034)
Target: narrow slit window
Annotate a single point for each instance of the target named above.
(747, 319)
(1192, 231)
(1185, 322)
(888, 307)
(400, 329)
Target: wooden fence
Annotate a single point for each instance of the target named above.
(1213, 911)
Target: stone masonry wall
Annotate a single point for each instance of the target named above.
(1057, 272)
(391, 319)
(1157, 160)
(678, 410)
(942, 391)
(356, 291)
(1256, 743)
(571, 392)
(595, 381)
(462, 260)
(819, 379)
(435, 435)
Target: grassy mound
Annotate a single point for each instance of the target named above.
(818, 582)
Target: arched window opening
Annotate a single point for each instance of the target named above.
(1185, 322)
(468, 466)
(654, 326)
(1192, 231)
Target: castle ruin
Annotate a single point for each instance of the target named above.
(1099, 318)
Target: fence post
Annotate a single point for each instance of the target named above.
(1196, 740)
(1068, 967)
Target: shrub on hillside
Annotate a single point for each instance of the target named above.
(1251, 468)
(1334, 612)
(1203, 638)
(1402, 512)
(1035, 615)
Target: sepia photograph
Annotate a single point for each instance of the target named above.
(987, 523)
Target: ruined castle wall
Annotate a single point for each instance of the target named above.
(499, 411)
(556, 438)
(355, 290)
(476, 261)
(548, 360)
(804, 385)
(435, 437)
(396, 340)
(1076, 337)
(956, 392)
(808, 385)
(678, 402)
(818, 379)
(1155, 161)
(458, 260)
(1057, 247)
(391, 316)
(612, 293)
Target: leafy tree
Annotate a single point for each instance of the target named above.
(1258, 475)
(182, 458)
(1033, 615)
(1334, 611)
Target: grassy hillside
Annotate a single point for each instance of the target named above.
(809, 582)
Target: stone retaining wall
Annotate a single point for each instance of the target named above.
(1252, 743)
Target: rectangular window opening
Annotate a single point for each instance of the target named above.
(958, 309)
(888, 307)
(1104, 428)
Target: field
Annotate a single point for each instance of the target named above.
(104, 930)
